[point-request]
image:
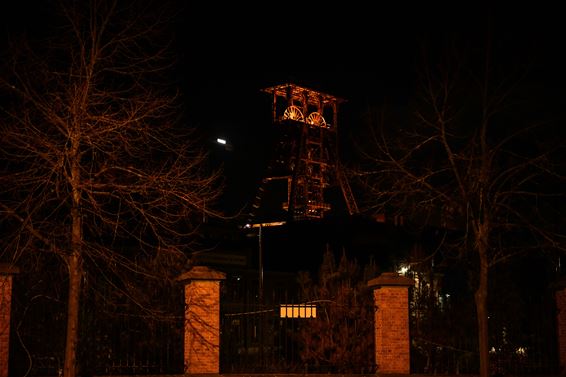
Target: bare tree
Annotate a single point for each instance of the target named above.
(477, 160)
(97, 165)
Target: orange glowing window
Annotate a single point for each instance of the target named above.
(297, 311)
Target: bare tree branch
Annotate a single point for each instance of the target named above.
(98, 165)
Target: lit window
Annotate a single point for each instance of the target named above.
(298, 311)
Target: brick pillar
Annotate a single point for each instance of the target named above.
(560, 297)
(391, 299)
(6, 272)
(202, 319)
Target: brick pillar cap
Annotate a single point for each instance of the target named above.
(8, 269)
(390, 279)
(201, 273)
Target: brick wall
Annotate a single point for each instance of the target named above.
(5, 305)
(392, 342)
(202, 326)
(392, 329)
(202, 319)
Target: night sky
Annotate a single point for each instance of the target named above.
(367, 53)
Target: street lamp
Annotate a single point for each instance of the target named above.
(260, 227)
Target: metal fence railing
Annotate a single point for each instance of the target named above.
(258, 338)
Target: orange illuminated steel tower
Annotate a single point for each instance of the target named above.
(305, 164)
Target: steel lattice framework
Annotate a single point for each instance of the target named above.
(305, 157)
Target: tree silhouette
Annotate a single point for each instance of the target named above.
(340, 338)
(478, 159)
(97, 165)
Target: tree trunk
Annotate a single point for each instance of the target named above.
(75, 276)
(74, 264)
(481, 311)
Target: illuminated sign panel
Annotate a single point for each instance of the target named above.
(297, 311)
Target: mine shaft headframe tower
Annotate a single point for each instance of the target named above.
(309, 160)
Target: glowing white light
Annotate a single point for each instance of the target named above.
(521, 351)
(221, 141)
(403, 270)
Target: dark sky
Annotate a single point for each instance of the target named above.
(230, 54)
(358, 50)
(364, 52)
(367, 53)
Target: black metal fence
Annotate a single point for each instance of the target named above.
(267, 327)
(253, 336)
(274, 339)
(113, 339)
(523, 339)
(257, 338)
(129, 344)
(121, 345)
